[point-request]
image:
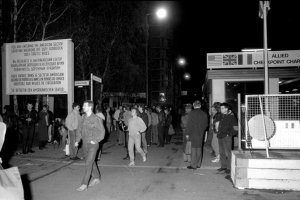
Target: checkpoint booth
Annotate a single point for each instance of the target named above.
(230, 74)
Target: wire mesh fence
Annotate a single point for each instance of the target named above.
(275, 118)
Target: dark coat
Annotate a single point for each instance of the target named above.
(196, 125)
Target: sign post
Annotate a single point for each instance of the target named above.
(97, 79)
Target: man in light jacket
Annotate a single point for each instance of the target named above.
(73, 121)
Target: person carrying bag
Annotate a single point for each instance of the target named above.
(11, 184)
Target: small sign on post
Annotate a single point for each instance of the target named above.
(82, 83)
(97, 79)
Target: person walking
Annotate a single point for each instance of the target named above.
(136, 126)
(225, 133)
(197, 123)
(91, 131)
(28, 120)
(73, 121)
(43, 123)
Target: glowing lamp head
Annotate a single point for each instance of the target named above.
(161, 13)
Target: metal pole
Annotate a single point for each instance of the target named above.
(266, 50)
(239, 120)
(264, 127)
(91, 86)
(146, 60)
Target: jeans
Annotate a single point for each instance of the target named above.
(154, 132)
(72, 135)
(215, 144)
(91, 167)
(161, 137)
(144, 142)
(225, 151)
(149, 135)
(134, 140)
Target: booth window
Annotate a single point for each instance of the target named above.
(244, 88)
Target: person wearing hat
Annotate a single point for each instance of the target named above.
(197, 123)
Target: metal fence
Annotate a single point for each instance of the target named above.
(275, 118)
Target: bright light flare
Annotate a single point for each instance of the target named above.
(161, 13)
(187, 76)
(181, 61)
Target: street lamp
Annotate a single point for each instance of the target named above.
(161, 14)
(181, 62)
(187, 76)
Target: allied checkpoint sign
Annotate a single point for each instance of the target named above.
(35, 68)
(290, 58)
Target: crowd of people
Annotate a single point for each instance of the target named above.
(137, 127)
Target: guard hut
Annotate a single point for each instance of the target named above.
(274, 125)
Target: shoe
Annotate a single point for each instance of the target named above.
(74, 158)
(131, 164)
(190, 167)
(30, 151)
(216, 159)
(126, 158)
(144, 158)
(82, 188)
(94, 182)
(221, 169)
(227, 171)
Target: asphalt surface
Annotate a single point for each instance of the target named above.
(47, 174)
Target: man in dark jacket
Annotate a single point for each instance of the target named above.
(91, 131)
(160, 126)
(225, 133)
(28, 119)
(196, 125)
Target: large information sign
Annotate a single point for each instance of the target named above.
(33, 68)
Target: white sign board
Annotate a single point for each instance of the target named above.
(36, 67)
(97, 79)
(253, 59)
(82, 83)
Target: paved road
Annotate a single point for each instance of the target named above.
(48, 176)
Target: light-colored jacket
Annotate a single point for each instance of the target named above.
(136, 125)
(154, 118)
(73, 120)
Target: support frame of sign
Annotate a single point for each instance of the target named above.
(38, 68)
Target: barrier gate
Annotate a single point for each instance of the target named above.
(272, 118)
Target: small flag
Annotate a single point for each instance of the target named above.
(214, 60)
(261, 8)
(229, 60)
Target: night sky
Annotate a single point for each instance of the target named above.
(229, 26)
